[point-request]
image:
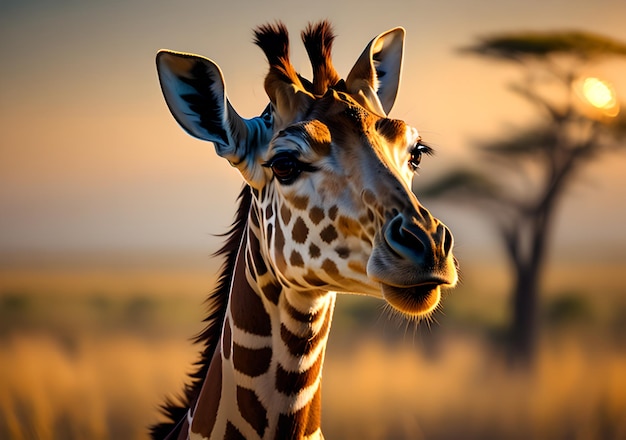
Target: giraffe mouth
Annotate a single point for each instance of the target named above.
(413, 301)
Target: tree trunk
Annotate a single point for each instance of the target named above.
(524, 324)
(528, 269)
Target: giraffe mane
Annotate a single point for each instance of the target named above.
(318, 41)
(175, 409)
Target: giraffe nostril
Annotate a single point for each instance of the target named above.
(411, 240)
(448, 240)
(404, 240)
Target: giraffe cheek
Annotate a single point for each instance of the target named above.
(300, 231)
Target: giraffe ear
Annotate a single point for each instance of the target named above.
(195, 93)
(376, 74)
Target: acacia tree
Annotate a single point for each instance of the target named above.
(537, 164)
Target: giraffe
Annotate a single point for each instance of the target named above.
(326, 207)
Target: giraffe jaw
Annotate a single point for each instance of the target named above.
(413, 301)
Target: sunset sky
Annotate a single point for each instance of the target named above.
(91, 160)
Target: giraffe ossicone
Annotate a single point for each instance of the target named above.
(326, 207)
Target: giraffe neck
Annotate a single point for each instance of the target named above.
(264, 381)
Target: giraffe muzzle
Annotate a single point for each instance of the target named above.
(412, 259)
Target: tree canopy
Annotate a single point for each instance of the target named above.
(522, 45)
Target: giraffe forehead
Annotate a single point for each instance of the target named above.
(336, 118)
(353, 128)
(315, 134)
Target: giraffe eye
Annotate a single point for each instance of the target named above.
(286, 167)
(416, 155)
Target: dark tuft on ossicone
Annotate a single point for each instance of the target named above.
(273, 39)
(318, 40)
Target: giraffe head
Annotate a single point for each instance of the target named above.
(330, 172)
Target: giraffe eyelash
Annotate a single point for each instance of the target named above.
(418, 150)
(287, 167)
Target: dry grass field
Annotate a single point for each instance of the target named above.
(90, 355)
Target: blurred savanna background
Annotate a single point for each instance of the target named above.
(109, 215)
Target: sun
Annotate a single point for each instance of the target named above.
(601, 95)
(598, 93)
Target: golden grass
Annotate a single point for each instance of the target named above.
(108, 389)
(92, 389)
(467, 391)
(90, 354)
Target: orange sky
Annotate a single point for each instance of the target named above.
(90, 158)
